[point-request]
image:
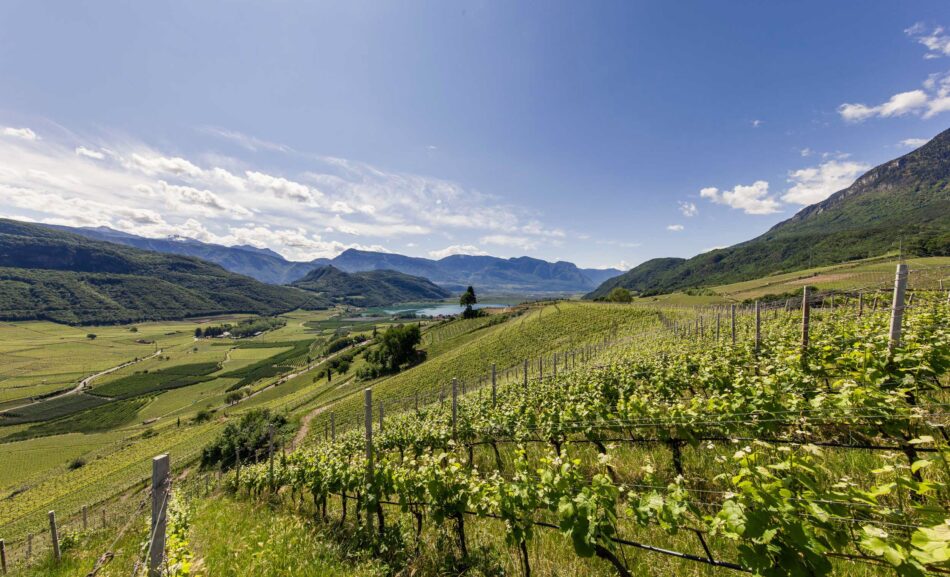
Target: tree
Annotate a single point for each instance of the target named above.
(467, 300)
(198, 333)
(91, 336)
(620, 295)
(397, 348)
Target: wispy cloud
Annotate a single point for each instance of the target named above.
(22, 133)
(935, 39)
(816, 183)
(675, 227)
(914, 142)
(457, 249)
(245, 141)
(688, 209)
(318, 211)
(751, 199)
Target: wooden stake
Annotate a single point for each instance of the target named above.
(806, 313)
(85, 518)
(156, 552)
(370, 470)
(732, 312)
(455, 400)
(897, 307)
(758, 327)
(494, 386)
(54, 536)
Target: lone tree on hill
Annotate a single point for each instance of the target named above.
(467, 300)
(620, 295)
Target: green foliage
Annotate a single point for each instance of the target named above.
(243, 329)
(374, 288)
(97, 419)
(251, 435)
(271, 366)
(396, 350)
(63, 277)
(51, 409)
(149, 382)
(619, 295)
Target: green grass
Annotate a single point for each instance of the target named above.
(270, 366)
(96, 420)
(170, 378)
(52, 409)
(24, 462)
(264, 542)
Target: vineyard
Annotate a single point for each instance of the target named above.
(757, 449)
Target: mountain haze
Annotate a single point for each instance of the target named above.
(487, 273)
(904, 203)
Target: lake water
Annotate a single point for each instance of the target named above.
(434, 310)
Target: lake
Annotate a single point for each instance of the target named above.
(434, 310)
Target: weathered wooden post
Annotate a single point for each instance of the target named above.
(732, 312)
(370, 471)
(54, 535)
(29, 546)
(717, 326)
(156, 551)
(806, 313)
(85, 518)
(494, 386)
(860, 304)
(758, 327)
(897, 307)
(103, 512)
(455, 406)
(270, 455)
(540, 369)
(525, 372)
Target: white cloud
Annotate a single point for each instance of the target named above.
(756, 123)
(143, 191)
(282, 187)
(521, 242)
(914, 142)
(245, 141)
(814, 184)
(88, 153)
(805, 152)
(674, 227)
(751, 199)
(913, 101)
(688, 208)
(935, 40)
(457, 249)
(23, 133)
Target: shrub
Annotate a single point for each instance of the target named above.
(76, 463)
(251, 435)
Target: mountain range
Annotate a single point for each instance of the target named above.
(373, 288)
(52, 274)
(903, 204)
(454, 273)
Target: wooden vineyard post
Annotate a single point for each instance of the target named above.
(540, 369)
(381, 416)
(494, 386)
(860, 304)
(806, 313)
(156, 551)
(103, 512)
(455, 405)
(554, 366)
(370, 472)
(270, 456)
(897, 307)
(717, 326)
(758, 327)
(3, 557)
(525, 373)
(332, 427)
(54, 535)
(237, 466)
(732, 312)
(29, 546)
(85, 518)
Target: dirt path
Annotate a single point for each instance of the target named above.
(305, 425)
(84, 383)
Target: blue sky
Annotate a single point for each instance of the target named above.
(603, 133)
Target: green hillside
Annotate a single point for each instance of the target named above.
(373, 288)
(47, 274)
(903, 203)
